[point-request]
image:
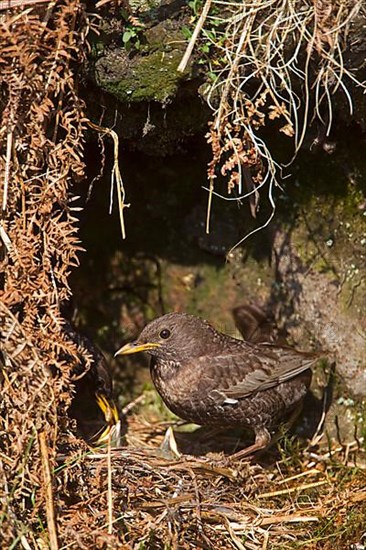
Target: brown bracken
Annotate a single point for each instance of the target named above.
(209, 378)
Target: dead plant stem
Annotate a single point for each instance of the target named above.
(183, 64)
(50, 510)
(110, 494)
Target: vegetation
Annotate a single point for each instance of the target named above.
(54, 490)
(280, 63)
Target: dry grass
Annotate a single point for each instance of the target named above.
(309, 499)
(279, 62)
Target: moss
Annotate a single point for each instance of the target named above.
(143, 71)
(140, 6)
(153, 77)
(146, 70)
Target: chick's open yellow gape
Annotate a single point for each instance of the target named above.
(112, 432)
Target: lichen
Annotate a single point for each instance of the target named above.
(331, 237)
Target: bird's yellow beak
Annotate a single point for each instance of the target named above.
(108, 408)
(112, 430)
(133, 347)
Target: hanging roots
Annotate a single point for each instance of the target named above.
(272, 60)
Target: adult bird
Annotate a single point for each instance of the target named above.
(209, 378)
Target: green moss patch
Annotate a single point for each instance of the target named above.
(153, 77)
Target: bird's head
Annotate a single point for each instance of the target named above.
(173, 337)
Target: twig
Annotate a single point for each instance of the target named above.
(183, 64)
(297, 476)
(236, 540)
(110, 494)
(293, 489)
(287, 518)
(265, 540)
(9, 145)
(209, 205)
(50, 510)
(9, 4)
(102, 3)
(133, 403)
(5, 238)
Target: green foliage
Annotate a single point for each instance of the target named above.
(211, 40)
(187, 32)
(132, 37)
(196, 6)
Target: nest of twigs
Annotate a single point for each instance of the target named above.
(137, 497)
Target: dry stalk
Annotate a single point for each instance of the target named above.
(295, 489)
(110, 494)
(278, 61)
(50, 509)
(10, 4)
(201, 21)
(116, 178)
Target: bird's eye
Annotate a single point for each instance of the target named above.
(165, 333)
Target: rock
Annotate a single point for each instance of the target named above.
(308, 305)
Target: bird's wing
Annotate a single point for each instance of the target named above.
(264, 367)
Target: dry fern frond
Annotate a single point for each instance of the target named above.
(271, 60)
(41, 140)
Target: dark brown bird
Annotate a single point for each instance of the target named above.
(209, 378)
(92, 406)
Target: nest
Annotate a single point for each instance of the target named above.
(138, 497)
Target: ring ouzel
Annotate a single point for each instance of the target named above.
(209, 378)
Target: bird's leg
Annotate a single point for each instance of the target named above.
(262, 440)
